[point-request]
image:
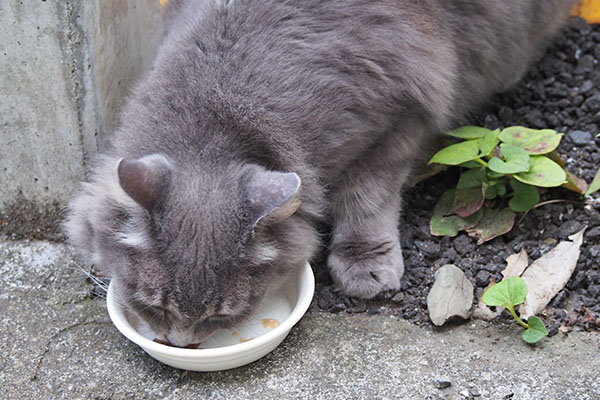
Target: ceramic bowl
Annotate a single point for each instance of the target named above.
(233, 347)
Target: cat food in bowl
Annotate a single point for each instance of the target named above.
(228, 348)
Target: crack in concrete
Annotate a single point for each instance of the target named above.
(61, 331)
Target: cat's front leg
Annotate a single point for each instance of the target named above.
(365, 255)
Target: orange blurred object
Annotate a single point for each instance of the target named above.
(162, 2)
(587, 9)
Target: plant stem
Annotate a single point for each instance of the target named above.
(480, 161)
(516, 317)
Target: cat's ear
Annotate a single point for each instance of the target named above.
(273, 196)
(144, 179)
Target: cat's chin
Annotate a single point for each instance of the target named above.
(172, 338)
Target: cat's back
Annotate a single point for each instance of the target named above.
(360, 49)
(336, 73)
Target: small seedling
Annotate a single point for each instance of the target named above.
(508, 294)
(502, 171)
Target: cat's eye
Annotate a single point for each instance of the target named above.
(156, 314)
(220, 317)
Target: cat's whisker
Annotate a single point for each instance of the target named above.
(91, 277)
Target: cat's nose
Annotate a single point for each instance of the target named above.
(178, 338)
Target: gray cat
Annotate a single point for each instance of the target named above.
(261, 119)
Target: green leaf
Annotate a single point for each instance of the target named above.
(494, 175)
(469, 132)
(498, 189)
(492, 192)
(470, 164)
(489, 143)
(443, 224)
(457, 153)
(468, 201)
(493, 223)
(531, 140)
(515, 160)
(470, 192)
(427, 172)
(507, 293)
(536, 331)
(501, 188)
(595, 185)
(471, 178)
(542, 172)
(525, 196)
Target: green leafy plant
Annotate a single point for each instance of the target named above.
(508, 294)
(502, 171)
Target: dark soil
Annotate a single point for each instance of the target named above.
(24, 219)
(561, 92)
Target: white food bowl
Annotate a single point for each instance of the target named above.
(230, 348)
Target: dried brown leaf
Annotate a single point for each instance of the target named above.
(516, 264)
(547, 275)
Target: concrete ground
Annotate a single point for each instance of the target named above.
(56, 341)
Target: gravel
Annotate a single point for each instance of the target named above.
(561, 92)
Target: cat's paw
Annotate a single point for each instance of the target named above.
(366, 269)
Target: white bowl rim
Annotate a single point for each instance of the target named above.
(305, 295)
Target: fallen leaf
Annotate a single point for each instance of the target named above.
(549, 274)
(516, 264)
(588, 9)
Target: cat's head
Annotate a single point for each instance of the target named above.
(191, 249)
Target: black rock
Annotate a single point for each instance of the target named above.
(559, 314)
(452, 254)
(589, 301)
(586, 86)
(580, 138)
(585, 64)
(560, 297)
(428, 247)
(326, 299)
(579, 281)
(580, 25)
(592, 104)
(482, 278)
(552, 327)
(568, 228)
(594, 251)
(463, 244)
(442, 383)
(398, 297)
(535, 119)
(594, 291)
(593, 276)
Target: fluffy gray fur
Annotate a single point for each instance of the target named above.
(247, 99)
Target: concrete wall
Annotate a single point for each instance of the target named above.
(65, 69)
